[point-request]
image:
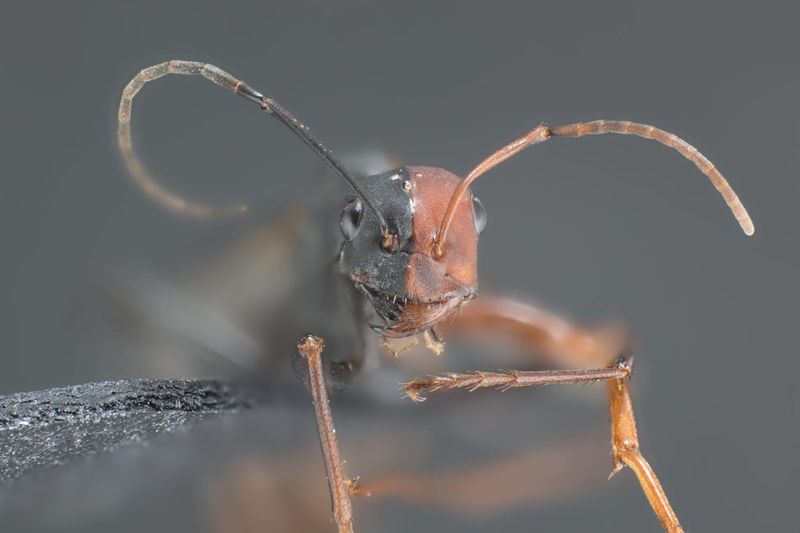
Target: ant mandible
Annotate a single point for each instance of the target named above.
(408, 244)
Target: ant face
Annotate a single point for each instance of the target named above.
(410, 289)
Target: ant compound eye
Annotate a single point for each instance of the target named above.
(350, 220)
(479, 213)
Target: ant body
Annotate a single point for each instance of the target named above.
(407, 257)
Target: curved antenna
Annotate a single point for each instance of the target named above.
(544, 132)
(175, 203)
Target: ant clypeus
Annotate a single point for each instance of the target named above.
(408, 244)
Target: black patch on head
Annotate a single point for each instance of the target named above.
(362, 258)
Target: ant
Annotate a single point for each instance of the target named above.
(407, 255)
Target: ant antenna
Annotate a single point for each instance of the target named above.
(175, 203)
(543, 132)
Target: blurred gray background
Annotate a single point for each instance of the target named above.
(609, 227)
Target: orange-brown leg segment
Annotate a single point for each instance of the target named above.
(625, 447)
(508, 379)
(563, 342)
(565, 470)
(310, 348)
(558, 341)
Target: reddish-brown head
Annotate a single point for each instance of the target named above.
(411, 287)
(427, 275)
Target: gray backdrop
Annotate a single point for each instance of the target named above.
(606, 227)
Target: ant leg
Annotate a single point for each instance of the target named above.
(499, 484)
(561, 341)
(508, 379)
(310, 348)
(624, 439)
(625, 447)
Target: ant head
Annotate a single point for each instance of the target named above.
(411, 235)
(409, 287)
